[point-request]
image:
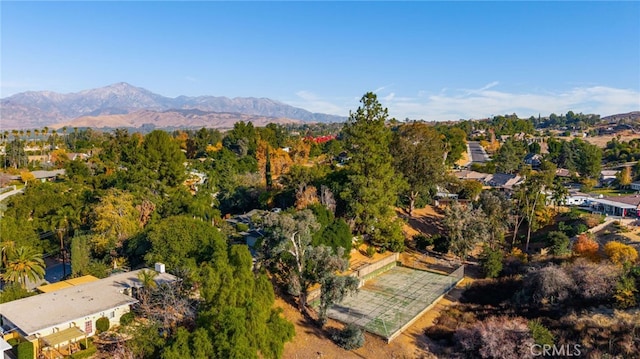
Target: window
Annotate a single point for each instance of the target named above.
(112, 315)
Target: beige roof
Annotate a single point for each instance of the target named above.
(46, 310)
(63, 336)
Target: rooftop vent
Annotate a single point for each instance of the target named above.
(159, 267)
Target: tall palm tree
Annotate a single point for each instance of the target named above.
(64, 136)
(25, 263)
(75, 139)
(45, 130)
(62, 221)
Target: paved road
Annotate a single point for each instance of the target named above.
(10, 193)
(478, 154)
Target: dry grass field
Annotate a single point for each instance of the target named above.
(601, 141)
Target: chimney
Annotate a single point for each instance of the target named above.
(159, 267)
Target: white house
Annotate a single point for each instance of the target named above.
(635, 186)
(57, 318)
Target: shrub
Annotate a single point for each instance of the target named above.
(558, 243)
(349, 338)
(370, 251)
(620, 253)
(422, 241)
(87, 351)
(586, 247)
(491, 262)
(25, 350)
(242, 227)
(594, 282)
(102, 324)
(592, 220)
(441, 245)
(549, 284)
(496, 337)
(626, 292)
(127, 318)
(541, 335)
(580, 228)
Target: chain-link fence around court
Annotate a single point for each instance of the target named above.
(386, 304)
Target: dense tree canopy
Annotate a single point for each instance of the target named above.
(418, 152)
(372, 184)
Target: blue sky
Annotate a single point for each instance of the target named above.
(425, 60)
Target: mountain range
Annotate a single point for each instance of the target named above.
(124, 105)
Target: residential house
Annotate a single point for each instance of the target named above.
(77, 156)
(533, 159)
(471, 175)
(62, 317)
(503, 181)
(607, 177)
(623, 206)
(635, 186)
(563, 172)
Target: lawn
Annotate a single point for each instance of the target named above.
(611, 191)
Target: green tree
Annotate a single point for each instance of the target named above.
(372, 184)
(491, 260)
(163, 158)
(80, 256)
(15, 155)
(529, 197)
(24, 264)
(180, 241)
(456, 140)
(418, 152)
(242, 139)
(289, 252)
(558, 242)
(497, 209)
(465, 228)
(510, 156)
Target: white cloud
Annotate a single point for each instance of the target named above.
(312, 102)
(482, 103)
(448, 104)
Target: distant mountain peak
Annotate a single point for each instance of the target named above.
(35, 109)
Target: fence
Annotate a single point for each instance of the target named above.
(397, 301)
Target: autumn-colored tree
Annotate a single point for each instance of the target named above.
(115, 219)
(299, 151)
(620, 253)
(586, 247)
(306, 195)
(59, 157)
(214, 148)
(624, 177)
(181, 138)
(27, 177)
(279, 159)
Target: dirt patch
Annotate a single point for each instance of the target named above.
(425, 220)
(601, 141)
